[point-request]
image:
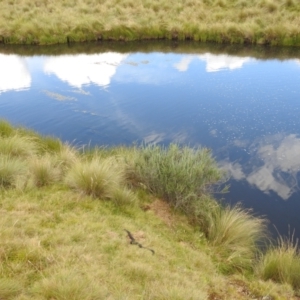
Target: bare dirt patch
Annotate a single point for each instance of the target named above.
(162, 210)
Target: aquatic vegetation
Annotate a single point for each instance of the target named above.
(222, 21)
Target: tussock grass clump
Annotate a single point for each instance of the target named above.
(66, 157)
(11, 169)
(175, 173)
(123, 196)
(235, 234)
(5, 129)
(50, 144)
(43, 171)
(98, 178)
(282, 263)
(16, 145)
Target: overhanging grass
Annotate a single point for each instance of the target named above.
(282, 263)
(236, 236)
(225, 21)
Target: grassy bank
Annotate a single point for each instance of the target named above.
(223, 21)
(64, 211)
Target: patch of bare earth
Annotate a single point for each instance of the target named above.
(162, 210)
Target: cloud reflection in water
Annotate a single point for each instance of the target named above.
(273, 165)
(82, 69)
(14, 73)
(214, 62)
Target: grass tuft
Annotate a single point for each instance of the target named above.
(10, 169)
(282, 263)
(123, 196)
(236, 234)
(5, 129)
(43, 171)
(51, 144)
(9, 288)
(66, 157)
(18, 146)
(98, 178)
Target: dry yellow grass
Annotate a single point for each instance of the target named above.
(58, 245)
(235, 21)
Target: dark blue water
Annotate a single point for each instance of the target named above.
(245, 107)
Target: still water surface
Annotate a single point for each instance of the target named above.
(244, 104)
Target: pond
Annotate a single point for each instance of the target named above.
(242, 102)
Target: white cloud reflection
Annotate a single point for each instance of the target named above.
(214, 62)
(82, 69)
(14, 73)
(273, 166)
(184, 63)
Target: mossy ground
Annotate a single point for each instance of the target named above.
(231, 21)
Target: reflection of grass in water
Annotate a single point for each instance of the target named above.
(81, 91)
(62, 243)
(240, 21)
(59, 97)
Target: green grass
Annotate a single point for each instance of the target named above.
(63, 215)
(184, 177)
(282, 263)
(43, 171)
(236, 236)
(10, 170)
(96, 178)
(176, 174)
(223, 21)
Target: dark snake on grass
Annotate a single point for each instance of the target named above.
(134, 242)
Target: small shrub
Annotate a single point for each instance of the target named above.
(282, 264)
(174, 173)
(98, 178)
(10, 169)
